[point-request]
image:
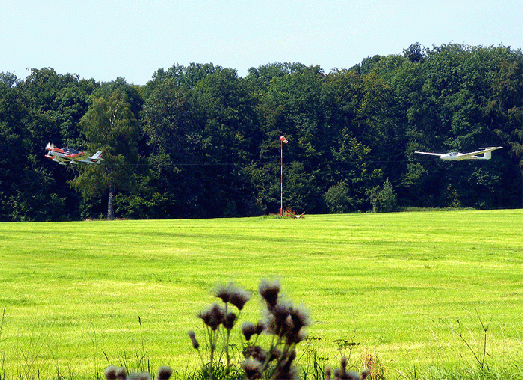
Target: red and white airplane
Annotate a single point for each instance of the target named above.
(484, 154)
(66, 156)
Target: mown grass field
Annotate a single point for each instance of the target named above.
(79, 296)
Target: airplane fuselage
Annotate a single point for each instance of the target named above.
(66, 156)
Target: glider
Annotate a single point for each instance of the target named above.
(483, 154)
(66, 156)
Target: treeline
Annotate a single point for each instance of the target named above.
(200, 141)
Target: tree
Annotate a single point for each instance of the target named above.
(383, 199)
(337, 198)
(43, 108)
(110, 126)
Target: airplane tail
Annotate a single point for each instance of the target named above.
(487, 155)
(96, 156)
(49, 146)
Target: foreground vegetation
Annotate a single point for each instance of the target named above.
(423, 293)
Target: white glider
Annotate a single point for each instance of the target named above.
(483, 154)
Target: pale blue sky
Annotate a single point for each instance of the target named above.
(106, 39)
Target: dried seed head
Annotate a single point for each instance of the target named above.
(164, 373)
(213, 316)
(223, 291)
(121, 374)
(256, 352)
(295, 337)
(343, 374)
(351, 375)
(229, 320)
(277, 323)
(281, 311)
(110, 372)
(343, 363)
(297, 319)
(248, 330)
(260, 326)
(275, 354)
(233, 294)
(195, 343)
(300, 317)
(240, 298)
(269, 292)
(327, 373)
(252, 368)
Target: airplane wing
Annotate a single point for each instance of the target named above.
(59, 159)
(430, 154)
(476, 153)
(78, 156)
(492, 148)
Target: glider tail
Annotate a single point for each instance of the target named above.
(96, 156)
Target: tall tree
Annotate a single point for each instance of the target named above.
(110, 126)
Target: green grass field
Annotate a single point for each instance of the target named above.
(402, 286)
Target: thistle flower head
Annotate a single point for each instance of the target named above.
(229, 320)
(269, 292)
(343, 374)
(224, 291)
(240, 298)
(343, 363)
(296, 320)
(195, 343)
(248, 330)
(277, 319)
(213, 316)
(164, 373)
(231, 293)
(327, 373)
(121, 374)
(252, 368)
(256, 352)
(110, 372)
(300, 317)
(275, 354)
(260, 326)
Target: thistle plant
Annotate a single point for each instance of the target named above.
(284, 324)
(231, 294)
(219, 321)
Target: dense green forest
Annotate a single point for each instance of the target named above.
(199, 141)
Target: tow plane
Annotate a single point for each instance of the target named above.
(482, 154)
(65, 156)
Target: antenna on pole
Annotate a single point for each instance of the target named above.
(282, 141)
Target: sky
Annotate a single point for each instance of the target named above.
(107, 39)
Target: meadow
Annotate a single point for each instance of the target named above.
(419, 291)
